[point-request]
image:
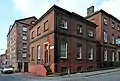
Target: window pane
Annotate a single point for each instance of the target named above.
(24, 55)
(24, 45)
(105, 55)
(32, 51)
(46, 26)
(90, 56)
(79, 28)
(105, 21)
(113, 39)
(118, 27)
(63, 24)
(25, 37)
(105, 36)
(79, 52)
(90, 33)
(32, 35)
(63, 50)
(113, 57)
(38, 52)
(24, 29)
(38, 30)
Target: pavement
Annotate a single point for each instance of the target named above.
(87, 74)
(105, 75)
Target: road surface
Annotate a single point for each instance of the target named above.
(113, 76)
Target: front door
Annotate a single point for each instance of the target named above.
(46, 53)
(25, 66)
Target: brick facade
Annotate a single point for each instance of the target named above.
(15, 41)
(52, 38)
(98, 18)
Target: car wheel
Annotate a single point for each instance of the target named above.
(1, 71)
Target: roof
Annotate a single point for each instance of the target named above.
(102, 11)
(20, 22)
(26, 18)
(87, 21)
(54, 7)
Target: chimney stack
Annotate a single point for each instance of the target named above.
(90, 10)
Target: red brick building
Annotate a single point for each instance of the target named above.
(62, 41)
(18, 45)
(108, 30)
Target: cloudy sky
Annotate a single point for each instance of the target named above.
(11, 10)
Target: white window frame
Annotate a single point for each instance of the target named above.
(91, 51)
(25, 29)
(24, 46)
(105, 55)
(64, 24)
(80, 52)
(113, 56)
(24, 55)
(113, 39)
(118, 28)
(105, 21)
(66, 49)
(113, 25)
(25, 33)
(24, 37)
(105, 36)
(79, 27)
(38, 52)
(90, 33)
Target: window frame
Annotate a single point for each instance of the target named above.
(38, 52)
(105, 37)
(105, 54)
(25, 37)
(113, 55)
(24, 45)
(46, 22)
(63, 21)
(113, 39)
(66, 50)
(79, 47)
(32, 54)
(113, 25)
(32, 35)
(118, 27)
(90, 33)
(79, 29)
(105, 21)
(25, 54)
(38, 31)
(91, 53)
(24, 30)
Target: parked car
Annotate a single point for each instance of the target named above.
(7, 69)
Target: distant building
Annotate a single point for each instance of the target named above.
(108, 30)
(17, 43)
(3, 60)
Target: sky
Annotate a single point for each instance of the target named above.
(11, 10)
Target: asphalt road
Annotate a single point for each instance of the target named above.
(113, 76)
